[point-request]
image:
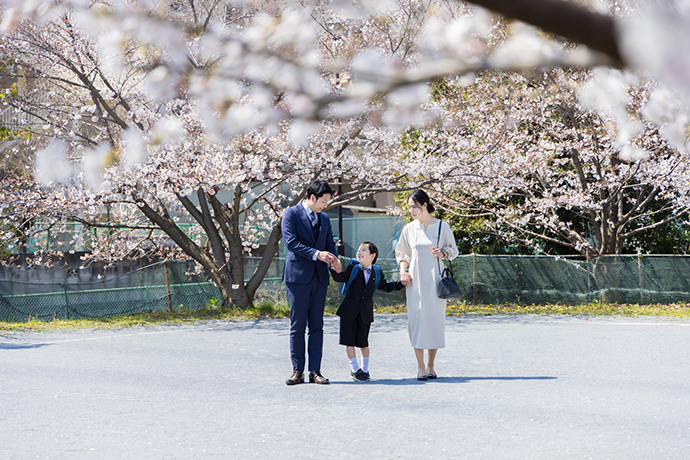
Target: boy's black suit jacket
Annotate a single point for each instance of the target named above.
(360, 298)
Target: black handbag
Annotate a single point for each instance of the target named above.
(447, 287)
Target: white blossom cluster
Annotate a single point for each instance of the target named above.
(560, 159)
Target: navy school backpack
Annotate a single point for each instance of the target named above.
(355, 269)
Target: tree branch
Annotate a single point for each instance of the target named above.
(573, 22)
(659, 224)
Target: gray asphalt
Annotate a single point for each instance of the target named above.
(522, 387)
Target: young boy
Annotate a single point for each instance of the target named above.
(357, 308)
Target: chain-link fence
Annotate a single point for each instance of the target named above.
(641, 279)
(74, 237)
(485, 279)
(160, 286)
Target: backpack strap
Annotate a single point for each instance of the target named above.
(377, 270)
(355, 269)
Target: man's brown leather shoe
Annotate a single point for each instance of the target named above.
(316, 377)
(296, 377)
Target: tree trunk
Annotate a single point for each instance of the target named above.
(234, 295)
(231, 286)
(607, 276)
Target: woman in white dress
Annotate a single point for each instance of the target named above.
(417, 254)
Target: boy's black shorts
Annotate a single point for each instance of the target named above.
(354, 333)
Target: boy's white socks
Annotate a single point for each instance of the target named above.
(365, 363)
(353, 364)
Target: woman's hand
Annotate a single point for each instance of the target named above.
(406, 279)
(437, 252)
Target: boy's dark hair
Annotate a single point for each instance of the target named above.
(372, 250)
(319, 188)
(420, 197)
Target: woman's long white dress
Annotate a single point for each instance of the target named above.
(426, 313)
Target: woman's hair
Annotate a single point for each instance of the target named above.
(420, 197)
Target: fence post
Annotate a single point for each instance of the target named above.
(474, 277)
(356, 245)
(167, 284)
(589, 275)
(640, 275)
(67, 315)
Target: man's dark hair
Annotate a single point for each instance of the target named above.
(319, 188)
(372, 250)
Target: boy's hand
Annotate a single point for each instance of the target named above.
(336, 265)
(406, 279)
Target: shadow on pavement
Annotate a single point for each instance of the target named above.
(21, 346)
(414, 381)
(467, 379)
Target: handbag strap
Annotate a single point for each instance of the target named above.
(438, 262)
(438, 243)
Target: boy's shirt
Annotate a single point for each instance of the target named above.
(359, 298)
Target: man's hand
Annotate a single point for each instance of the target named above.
(325, 256)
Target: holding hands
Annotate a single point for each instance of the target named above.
(336, 265)
(327, 257)
(405, 277)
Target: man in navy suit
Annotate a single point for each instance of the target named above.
(309, 239)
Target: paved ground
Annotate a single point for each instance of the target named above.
(509, 388)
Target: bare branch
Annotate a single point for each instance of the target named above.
(573, 22)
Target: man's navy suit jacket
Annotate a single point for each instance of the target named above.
(301, 243)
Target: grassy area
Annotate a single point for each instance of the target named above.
(677, 310)
(267, 310)
(147, 319)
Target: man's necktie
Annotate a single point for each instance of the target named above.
(313, 220)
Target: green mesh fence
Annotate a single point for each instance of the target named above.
(541, 279)
(484, 279)
(647, 279)
(161, 286)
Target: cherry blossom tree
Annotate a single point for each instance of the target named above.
(145, 167)
(276, 53)
(547, 167)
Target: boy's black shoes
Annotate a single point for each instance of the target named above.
(360, 376)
